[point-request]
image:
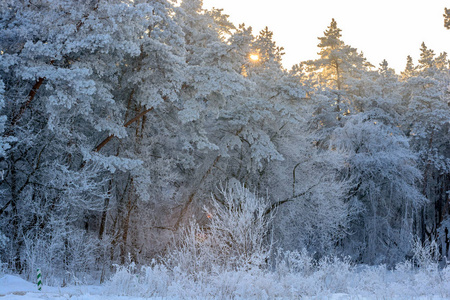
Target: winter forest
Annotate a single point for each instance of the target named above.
(158, 137)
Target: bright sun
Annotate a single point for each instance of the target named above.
(254, 57)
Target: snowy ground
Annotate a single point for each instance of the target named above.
(13, 287)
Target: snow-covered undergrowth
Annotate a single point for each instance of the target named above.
(233, 259)
(294, 278)
(233, 262)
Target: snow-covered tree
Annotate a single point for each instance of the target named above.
(338, 67)
(379, 94)
(67, 93)
(426, 122)
(410, 69)
(385, 184)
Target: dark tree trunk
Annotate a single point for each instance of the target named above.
(131, 204)
(104, 212)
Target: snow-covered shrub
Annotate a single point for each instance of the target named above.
(234, 238)
(425, 255)
(239, 223)
(190, 253)
(292, 262)
(125, 281)
(334, 273)
(368, 280)
(67, 257)
(308, 277)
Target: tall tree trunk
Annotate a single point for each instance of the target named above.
(105, 211)
(131, 204)
(16, 263)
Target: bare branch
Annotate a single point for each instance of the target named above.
(275, 205)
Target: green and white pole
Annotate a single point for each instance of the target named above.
(39, 279)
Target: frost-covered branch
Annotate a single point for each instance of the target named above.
(127, 124)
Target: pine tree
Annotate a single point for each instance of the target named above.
(426, 60)
(331, 60)
(338, 65)
(442, 62)
(266, 47)
(337, 71)
(410, 69)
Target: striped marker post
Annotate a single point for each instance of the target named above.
(39, 279)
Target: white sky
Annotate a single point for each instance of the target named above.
(382, 29)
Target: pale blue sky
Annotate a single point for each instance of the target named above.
(382, 29)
